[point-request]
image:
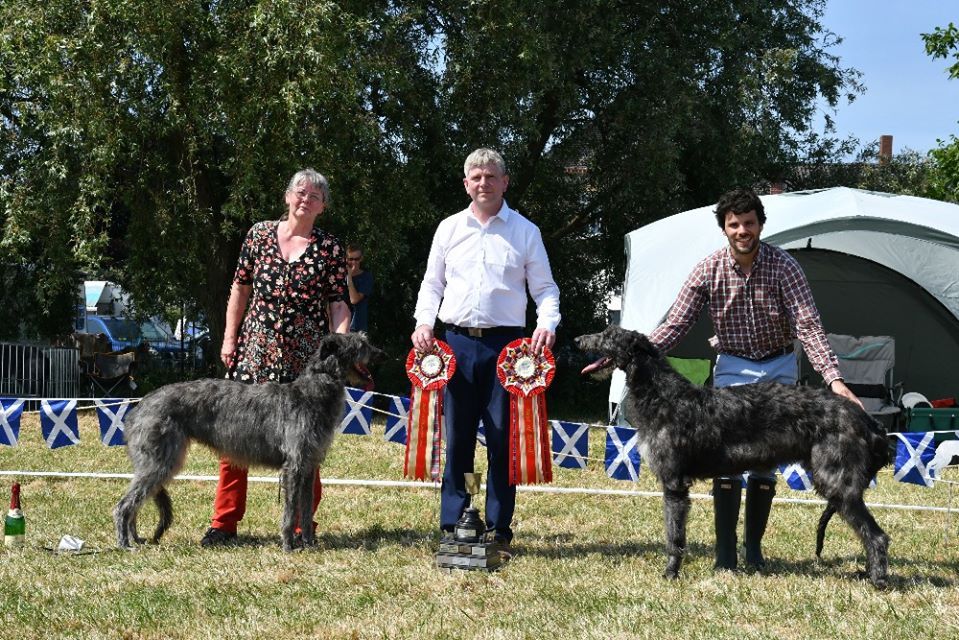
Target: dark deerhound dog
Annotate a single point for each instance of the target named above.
(688, 432)
(283, 426)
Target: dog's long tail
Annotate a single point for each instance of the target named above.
(824, 519)
(165, 507)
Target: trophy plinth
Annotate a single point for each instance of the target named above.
(467, 551)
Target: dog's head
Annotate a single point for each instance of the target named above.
(617, 348)
(348, 355)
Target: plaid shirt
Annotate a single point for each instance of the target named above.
(755, 315)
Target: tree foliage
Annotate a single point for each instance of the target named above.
(944, 43)
(141, 139)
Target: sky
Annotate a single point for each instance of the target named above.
(908, 94)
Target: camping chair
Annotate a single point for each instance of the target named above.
(866, 365)
(110, 370)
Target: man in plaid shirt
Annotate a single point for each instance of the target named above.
(759, 301)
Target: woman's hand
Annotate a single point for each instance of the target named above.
(228, 352)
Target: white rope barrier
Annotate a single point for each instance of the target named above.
(433, 486)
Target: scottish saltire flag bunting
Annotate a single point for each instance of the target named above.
(796, 477)
(358, 412)
(913, 452)
(58, 423)
(111, 412)
(622, 454)
(570, 444)
(10, 411)
(481, 433)
(396, 419)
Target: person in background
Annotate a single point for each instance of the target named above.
(359, 284)
(287, 294)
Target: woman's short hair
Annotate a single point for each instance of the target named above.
(482, 157)
(313, 178)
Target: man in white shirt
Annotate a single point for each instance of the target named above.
(481, 263)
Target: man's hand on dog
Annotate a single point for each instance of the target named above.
(839, 387)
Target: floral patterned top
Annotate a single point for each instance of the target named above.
(286, 315)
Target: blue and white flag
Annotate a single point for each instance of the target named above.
(622, 453)
(796, 477)
(358, 412)
(570, 444)
(397, 419)
(10, 411)
(111, 413)
(58, 423)
(914, 452)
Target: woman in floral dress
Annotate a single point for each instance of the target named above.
(287, 294)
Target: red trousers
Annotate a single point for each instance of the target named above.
(230, 502)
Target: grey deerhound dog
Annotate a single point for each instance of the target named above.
(688, 432)
(283, 426)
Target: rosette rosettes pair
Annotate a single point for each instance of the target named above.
(524, 374)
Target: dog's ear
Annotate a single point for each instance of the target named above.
(325, 358)
(646, 347)
(330, 346)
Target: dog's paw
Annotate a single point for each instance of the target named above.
(671, 572)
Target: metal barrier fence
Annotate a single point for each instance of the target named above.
(30, 371)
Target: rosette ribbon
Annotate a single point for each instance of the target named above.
(429, 372)
(526, 375)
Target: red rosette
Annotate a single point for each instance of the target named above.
(525, 375)
(523, 372)
(431, 370)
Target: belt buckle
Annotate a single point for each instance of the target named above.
(474, 332)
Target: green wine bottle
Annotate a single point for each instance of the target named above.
(14, 525)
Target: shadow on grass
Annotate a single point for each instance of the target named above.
(566, 546)
(897, 581)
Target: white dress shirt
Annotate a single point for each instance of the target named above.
(481, 272)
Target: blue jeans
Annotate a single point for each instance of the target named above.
(473, 394)
(732, 371)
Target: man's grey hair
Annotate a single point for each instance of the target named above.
(482, 157)
(314, 179)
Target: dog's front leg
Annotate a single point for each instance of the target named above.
(676, 511)
(289, 478)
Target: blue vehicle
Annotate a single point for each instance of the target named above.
(124, 333)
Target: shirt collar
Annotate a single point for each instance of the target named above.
(757, 261)
(503, 214)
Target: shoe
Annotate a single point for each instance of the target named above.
(500, 545)
(217, 537)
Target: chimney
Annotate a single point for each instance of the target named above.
(885, 149)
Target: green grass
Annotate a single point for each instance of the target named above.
(587, 565)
